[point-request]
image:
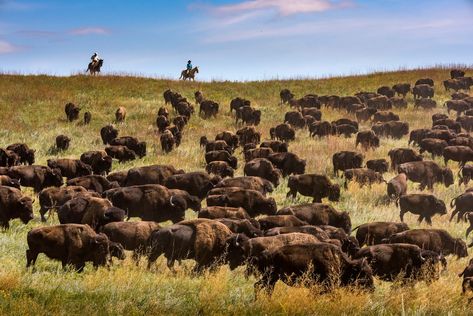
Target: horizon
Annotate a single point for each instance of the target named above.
(235, 40)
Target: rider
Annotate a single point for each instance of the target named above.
(94, 58)
(189, 67)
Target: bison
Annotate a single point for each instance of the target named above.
(314, 185)
(424, 205)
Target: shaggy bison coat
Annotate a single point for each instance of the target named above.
(72, 244)
(314, 185)
(203, 240)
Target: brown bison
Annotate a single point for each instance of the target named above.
(53, 198)
(72, 111)
(203, 240)
(327, 264)
(122, 153)
(252, 201)
(319, 214)
(437, 240)
(72, 244)
(13, 204)
(132, 236)
(367, 139)
(285, 96)
(344, 160)
(423, 91)
(433, 146)
(249, 183)
(195, 183)
(93, 211)
(461, 154)
(427, 81)
(220, 168)
(362, 176)
(262, 167)
(70, 168)
(208, 109)
(283, 132)
(402, 89)
(322, 129)
(150, 202)
(36, 177)
(314, 185)
(26, 154)
(424, 205)
(108, 133)
(288, 163)
(378, 165)
(461, 205)
(214, 212)
(401, 155)
(373, 233)
(87, 117)
(99, 161)
(221, 155)
(426, 173)
(248, 116)
(62, 142)
(132, 143)
(93, 183)
(276, 145)
(248, 134)
(271, 221)
(120, 114)
(425, 103)
(389, 261)
(152, 174)
(397, 186)
(230, 138)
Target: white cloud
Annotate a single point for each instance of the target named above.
(7, 48)
(90, 30)
(283, 7)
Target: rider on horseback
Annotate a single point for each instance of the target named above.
(94, 58)
(189, 67)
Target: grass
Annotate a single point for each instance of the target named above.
(32, 111)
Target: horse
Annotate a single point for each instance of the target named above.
(94, 68)
(191, 75)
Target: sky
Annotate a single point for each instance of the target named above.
(234, 39)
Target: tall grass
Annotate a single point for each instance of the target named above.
(32, 111)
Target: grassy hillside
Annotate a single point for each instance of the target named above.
(32, 111)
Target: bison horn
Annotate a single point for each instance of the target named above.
(170, 201)
(236, 240)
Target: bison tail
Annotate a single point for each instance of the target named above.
(397, 201)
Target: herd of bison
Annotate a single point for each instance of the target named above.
(241, 224)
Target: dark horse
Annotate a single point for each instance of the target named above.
(95, 68)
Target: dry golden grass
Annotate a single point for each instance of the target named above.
(32, 111)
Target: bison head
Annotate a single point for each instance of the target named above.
(440, 207)
(447, 176)
(269, 207)
(274, 177)
(345, 222)
(100, 250)
(25, 209)
(334, 193)
(359, 273)
(53, 178)
(117, 250)
(460, 248)
(232, 161)
(113, 214)
(235, 250)
(194, 203)
(30, 156)
(140, 149)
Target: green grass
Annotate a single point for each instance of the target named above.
(32, 111)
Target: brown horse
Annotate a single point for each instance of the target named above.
(191, 75)
(95, 68)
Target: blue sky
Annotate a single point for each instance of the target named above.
(234, 39)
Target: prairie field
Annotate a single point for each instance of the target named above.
(32, 111)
